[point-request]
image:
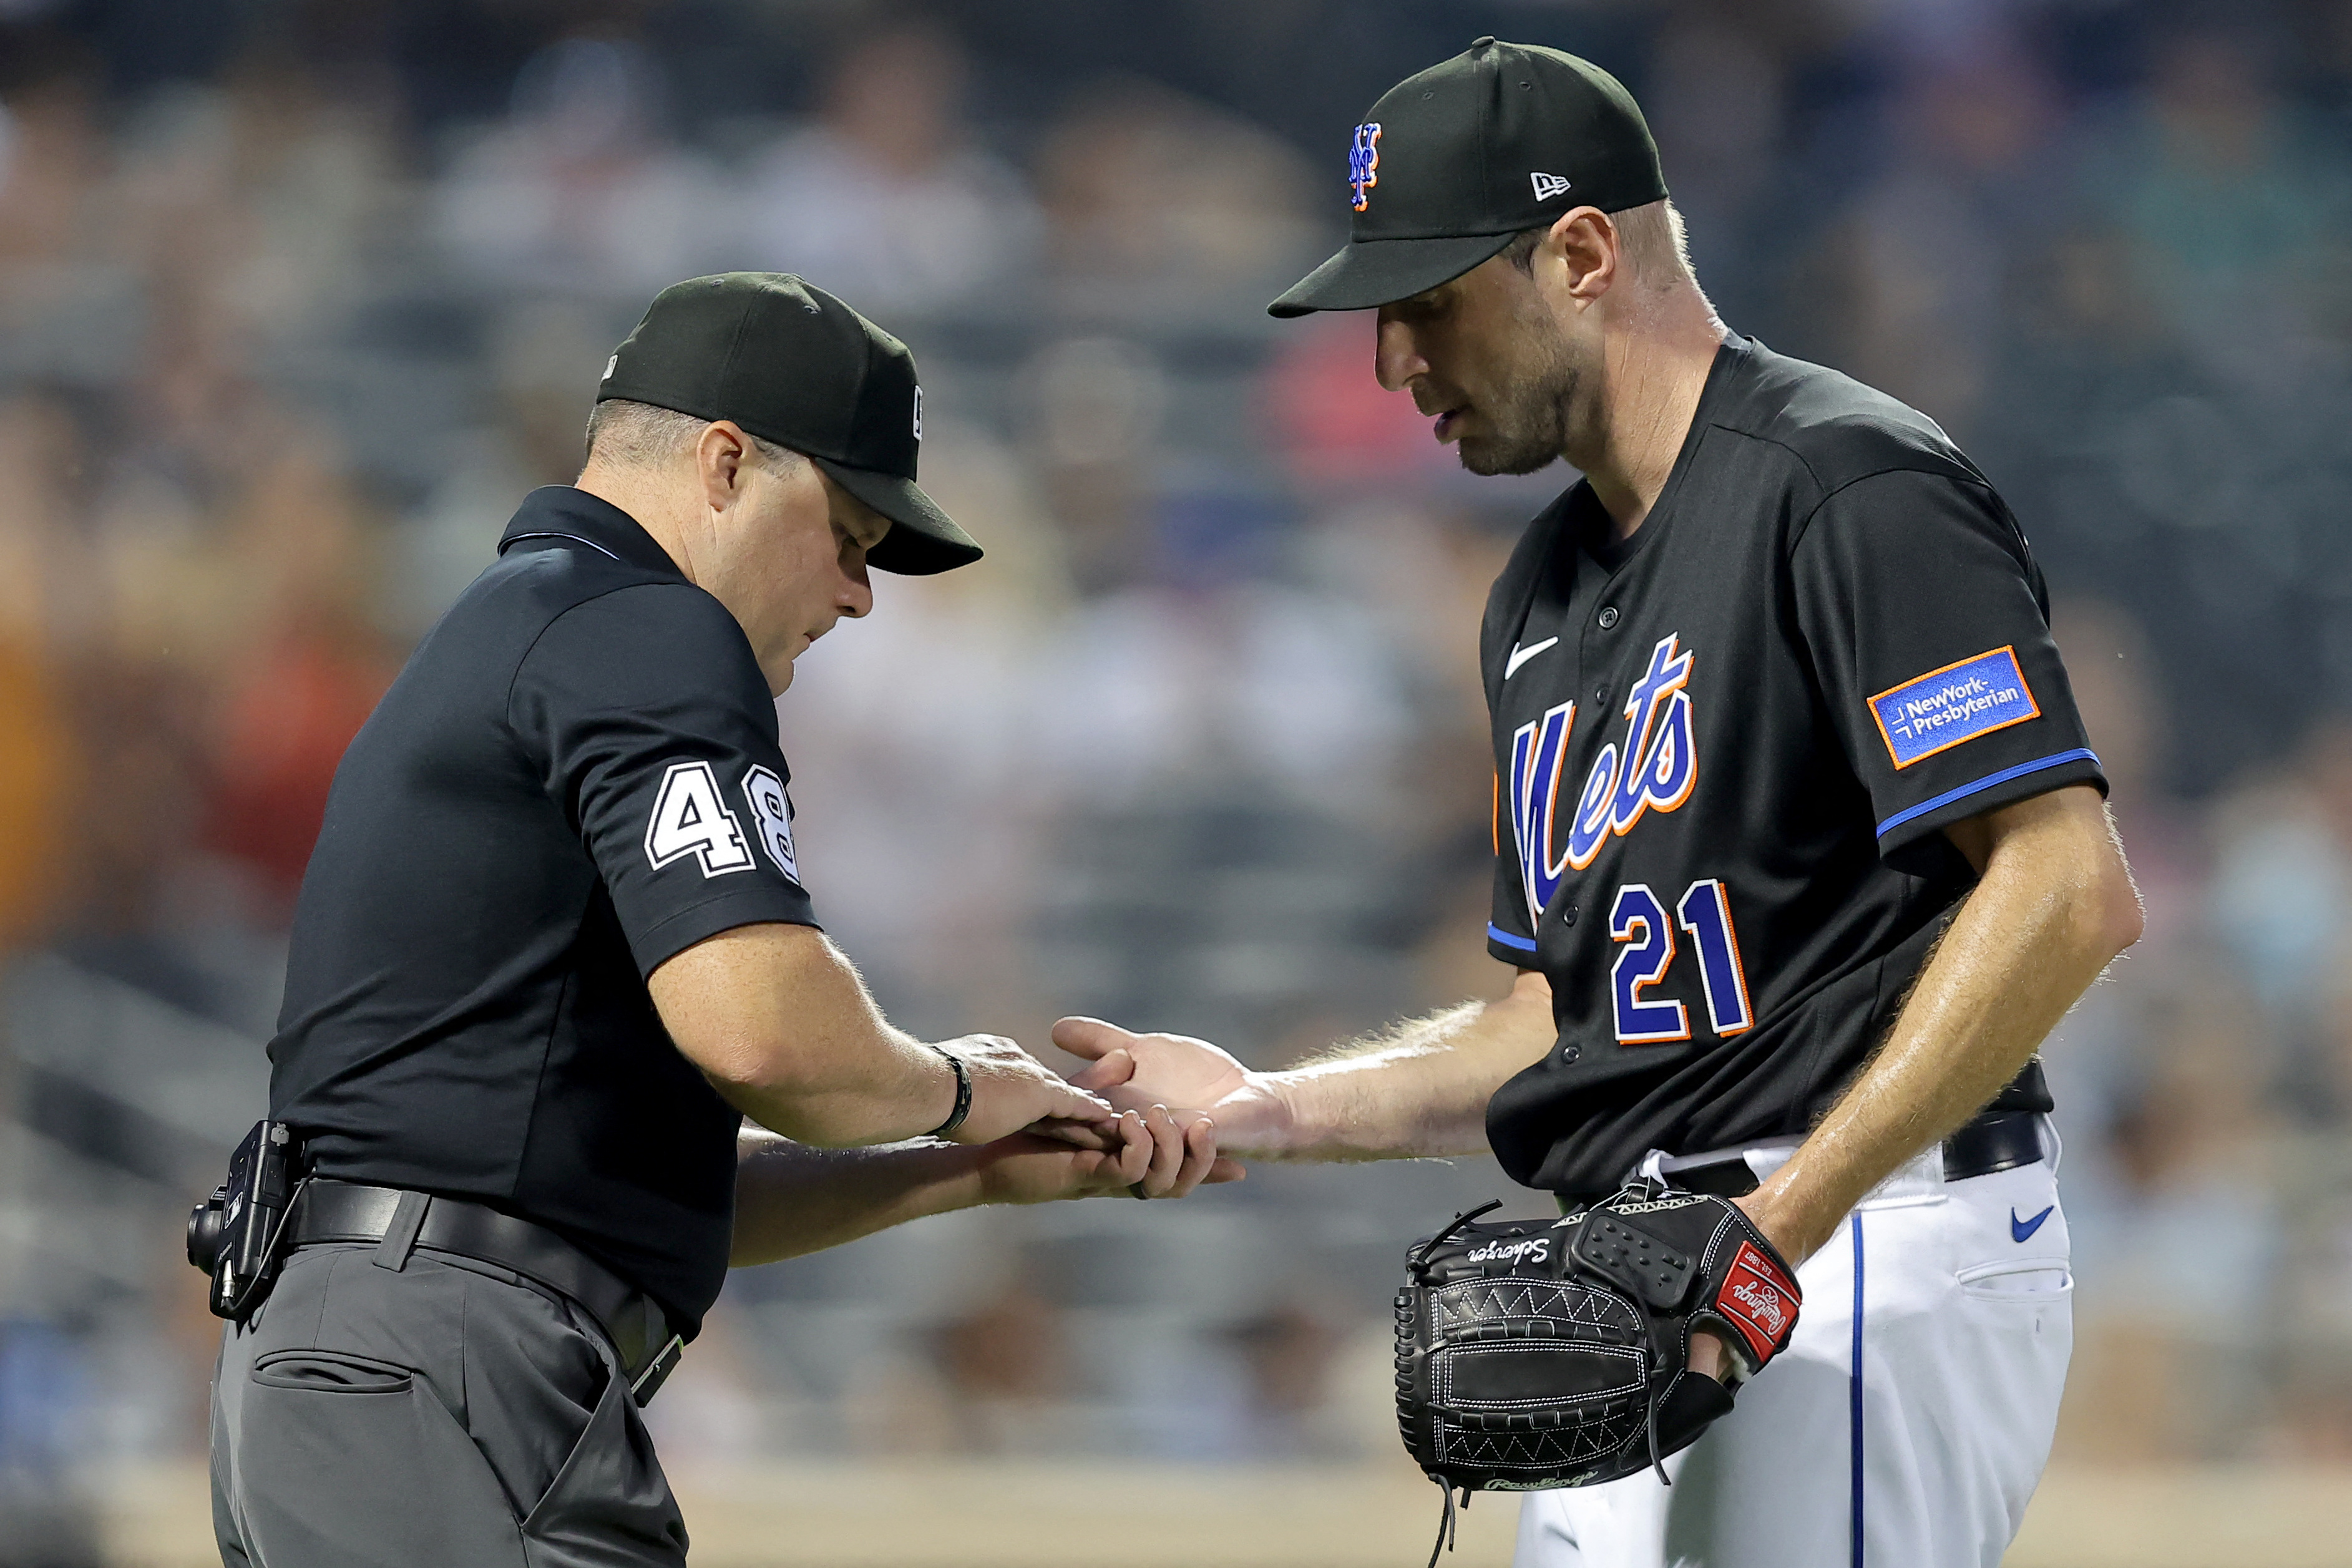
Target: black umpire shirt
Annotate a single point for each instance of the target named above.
(576, 776)
(1725, 750)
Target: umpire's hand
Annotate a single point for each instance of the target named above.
(1151, 1154)
(783, 1027)
(1012, 1089)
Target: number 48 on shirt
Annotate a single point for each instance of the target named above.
(1638, 921)
(689, 819)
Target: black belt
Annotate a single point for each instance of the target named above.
(1996, 1140)
(400, 1221)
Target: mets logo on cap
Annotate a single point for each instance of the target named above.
(1364, 162)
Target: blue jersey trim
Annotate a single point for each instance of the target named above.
(2080, 754)
(1854, 1395)
(1508, 939)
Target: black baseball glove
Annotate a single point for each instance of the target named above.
(1540, 1354)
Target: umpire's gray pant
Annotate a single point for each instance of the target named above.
(444, 1414)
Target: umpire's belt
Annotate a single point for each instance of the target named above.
(399, 1221)
(1995, 1141)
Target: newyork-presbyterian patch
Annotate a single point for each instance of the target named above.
(1957, 703)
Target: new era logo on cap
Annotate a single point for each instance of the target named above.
(1546, 185)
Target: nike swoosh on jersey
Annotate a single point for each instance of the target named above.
(1521, 655)
(2023, 1229)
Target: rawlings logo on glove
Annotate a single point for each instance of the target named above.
(1760, 1300)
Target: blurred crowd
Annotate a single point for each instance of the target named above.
(296, 303)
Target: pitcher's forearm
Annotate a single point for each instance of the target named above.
(1954, 1046)
(2050, 913)
(1420, 1090)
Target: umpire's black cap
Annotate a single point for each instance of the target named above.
(1452, 163)
(793, 365)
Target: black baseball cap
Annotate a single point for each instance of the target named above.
(793, 365)
(1449, 164)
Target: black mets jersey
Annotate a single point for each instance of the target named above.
(576, 776)
(1726, 749)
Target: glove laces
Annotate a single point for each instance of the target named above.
(1446, 1523)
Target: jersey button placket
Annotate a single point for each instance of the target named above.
(1608, 617)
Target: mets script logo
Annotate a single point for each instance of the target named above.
(1364, 162)
(1654, 768)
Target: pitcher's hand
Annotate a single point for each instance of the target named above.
(1137, 1071)
(1711, 1353)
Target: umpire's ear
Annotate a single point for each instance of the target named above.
(722, 455)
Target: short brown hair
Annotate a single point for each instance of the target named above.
(643, 435)
(1654, 241)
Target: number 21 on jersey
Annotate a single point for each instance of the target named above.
(1639, 924)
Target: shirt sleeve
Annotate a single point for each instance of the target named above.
(1929, 630)
(648, 714)
(1510, 925)
(1510, 929)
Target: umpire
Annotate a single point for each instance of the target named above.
(552, 949)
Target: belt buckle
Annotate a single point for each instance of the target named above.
(648, 1383)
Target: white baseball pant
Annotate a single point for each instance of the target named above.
(1904, 1427)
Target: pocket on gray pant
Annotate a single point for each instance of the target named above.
(330, 1371)
(610, 1505)
(365, 1476)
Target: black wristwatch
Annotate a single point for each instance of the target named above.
(963, 1094)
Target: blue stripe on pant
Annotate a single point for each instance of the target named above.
(1854, 1405)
